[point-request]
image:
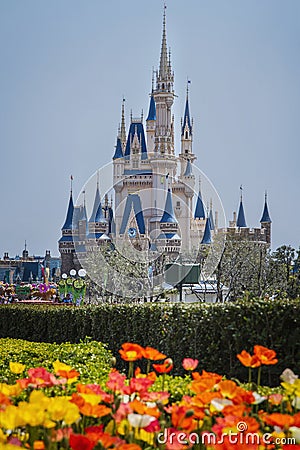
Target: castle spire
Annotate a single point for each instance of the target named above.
(164, 62)
(206, 239)
(199, 210)
(96, 201)
(186, 118)
(69, 218)
(241, 221)
(123, 127)
(168, 215)
(265, 218)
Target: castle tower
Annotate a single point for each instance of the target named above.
(164, 98)
(186, 153)
(266, 221)
(66, 242)
(150, 125)
(163, 162)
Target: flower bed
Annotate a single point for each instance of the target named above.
(138, 411)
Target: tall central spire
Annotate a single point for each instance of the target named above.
(164, 98)
(164, 61)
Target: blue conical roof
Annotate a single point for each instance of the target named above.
(265, 215)
(68, 225)
(118, 152)
(96, 205)
(199, 210)
(99, 217)
(186, 117)
(207, 233)
(241, 221)
(188, 171)
(152, 109)
(168, 215)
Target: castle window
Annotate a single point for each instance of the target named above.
(186, 135)
(177, 204)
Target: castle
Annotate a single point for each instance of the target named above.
(158, 203)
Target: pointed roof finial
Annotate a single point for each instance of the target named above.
(241, 192)
(153, 72)
(25, 246)
(186, 118)
(123, 126)
(71, 183)
(164, 63)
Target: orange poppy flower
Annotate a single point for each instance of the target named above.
(129, 447)
(265, 355)
(166, 367)
(279, 420)
(131, 352)
(228, 388)
(247, 360)
(153, 354)
(182, 417)
(201, 385)
(190, 364)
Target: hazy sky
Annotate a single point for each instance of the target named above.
(66, 64)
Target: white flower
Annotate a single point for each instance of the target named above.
(295, 433)
(288, 376)
(139, 420)
(220, 403)
(258, 398)
(296, 402)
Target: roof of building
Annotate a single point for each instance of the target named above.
(199, 210)
(168, 215)
(133, 201)
(138, 129)
(265, 218)
(206, 239)
(68, 225)
(188, 170)
(241, 221)
(118, 152)
(186, 117)
(99, 218)
(152, 109)
(96, 205)
(169, 236)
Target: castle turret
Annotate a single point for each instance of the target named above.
(186, 153)
(266, 221)
(206, 239)
(241, 220)
(150, 125)
(66, 242)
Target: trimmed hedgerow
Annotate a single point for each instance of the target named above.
(214, 334)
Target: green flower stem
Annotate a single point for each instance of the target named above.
(258, 376)
(130, 371)
(249, 375)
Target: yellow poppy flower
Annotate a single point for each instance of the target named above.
(16, 368)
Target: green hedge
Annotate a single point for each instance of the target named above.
(212, 333)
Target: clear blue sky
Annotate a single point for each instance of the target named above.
(65, 66)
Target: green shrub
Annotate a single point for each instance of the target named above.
(91, 359)
(214, 334)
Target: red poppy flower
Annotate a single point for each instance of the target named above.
(153, 354)
(80, 442)
(166, 367)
